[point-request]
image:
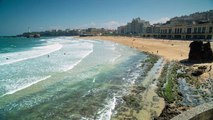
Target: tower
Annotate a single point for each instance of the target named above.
(28, 29)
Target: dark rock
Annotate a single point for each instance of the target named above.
(140, 88)
(200, 52)
(36, 36)
(180, 94)
(132, 101)
(207, 52)
(168, 113)
(197, 72)
(195, 51)
(202, 67)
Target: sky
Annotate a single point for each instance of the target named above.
(40, 15)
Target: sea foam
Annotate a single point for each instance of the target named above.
(26, 86)
(107, 112)
(10, 58)
(73, 65)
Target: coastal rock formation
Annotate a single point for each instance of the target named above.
(200, 52)
(207, 54)
(195, 51)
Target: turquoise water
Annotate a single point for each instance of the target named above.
(64, 77)
(18, 44)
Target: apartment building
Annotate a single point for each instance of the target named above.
(135, 27)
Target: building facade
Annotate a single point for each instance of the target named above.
(196, 30)
(136, 27)
(174, 30)
(195, 26)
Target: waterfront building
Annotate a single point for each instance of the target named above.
(194, 30)
(170, 30)
(194, 26)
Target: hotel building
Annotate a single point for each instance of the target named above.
(195, 30)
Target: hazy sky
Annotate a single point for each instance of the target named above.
(17, 15)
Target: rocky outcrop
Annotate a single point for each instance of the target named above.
(200, 52)
(207, 52)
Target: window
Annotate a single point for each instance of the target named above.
(195, 30)
(188, 36)
(195, 37)
(199, 30)
(209, 37)
(170, 30)
(203, 29)
(210, 29)
(189, 30)
(180, 30)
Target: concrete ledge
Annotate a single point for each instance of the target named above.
(201, 112)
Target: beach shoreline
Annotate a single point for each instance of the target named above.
(176, 50)
(169, 50)
(172, 51)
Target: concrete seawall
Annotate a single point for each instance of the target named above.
(201, 112)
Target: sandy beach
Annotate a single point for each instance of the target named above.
(169, 49)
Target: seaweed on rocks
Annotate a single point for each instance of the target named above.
(168, 83)
(132, 102)
(182, 90)
(168, 89)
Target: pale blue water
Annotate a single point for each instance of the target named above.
(64, 77)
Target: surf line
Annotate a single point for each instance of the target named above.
(56, 47)
(75, 64)
(93, 80)
(26, 86)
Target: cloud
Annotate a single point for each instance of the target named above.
(54, 27)
(41, 28)
(89, 25)
(108, 25)
(112, 24)
(161, 20)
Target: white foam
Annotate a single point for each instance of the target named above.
(107, 111)
(114, 59)
(26, 86)
(76, 63)
(36, 52)
(93, 80)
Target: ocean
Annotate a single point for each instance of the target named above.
(65, 77)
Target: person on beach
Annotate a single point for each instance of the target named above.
(210, 68)
(48, 56)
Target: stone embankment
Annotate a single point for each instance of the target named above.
(201, 112)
